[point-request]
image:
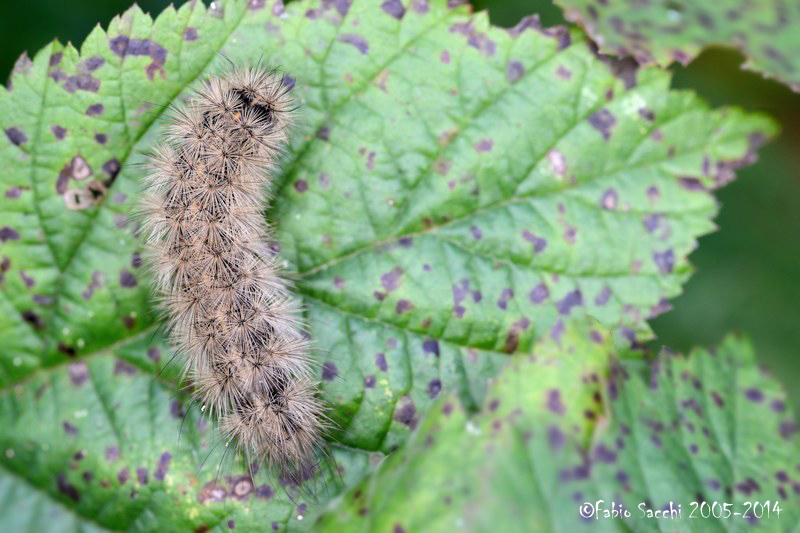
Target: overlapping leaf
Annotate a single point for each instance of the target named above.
(706, 428)
(766, 31)
(453, 193)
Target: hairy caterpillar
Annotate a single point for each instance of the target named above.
(230, 314)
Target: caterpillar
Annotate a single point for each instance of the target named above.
(230, 314)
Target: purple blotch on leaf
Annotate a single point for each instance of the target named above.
(572, 299)
(430, 346)
(127, 279)
(16, 136)
(394, 8)
(538, 243)
(403, 306)
(554, 403)
(406, 412)
(514, 71)
(163, 466)
(65, 487)
(434, 388)
(556, 438)
(539, 293)
(58, 131)
(8, 234)
(665, 261)
(329, 371)
(603, 121)
(356, 40)
(94, 110)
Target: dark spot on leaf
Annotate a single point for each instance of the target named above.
(190, 34)
(369, 381)
(127, 279)
(154, 354)
(528, 22)
(176, 409)
(609, 199)
(717, 399)
(121, 367)
(434, 388)
(163, 466)
(604, 455)
(141, 475)
(356, 40)
(754, 395)
(124, 46)
(603, 121)
(8, 234)
(514, 71)
(420, 6)
(557, 331)
(787, 429)
(78, 373)
(301, 186)
(691, 184)
(556, 438)
(505, 296)
(58, 131)
(83, 82)
(33, 319)
(539, 293)
(554, 403)
(69, 429)
(93, 63)
(512, 341)
(95, 283)
(264, 492)
(405, 412)
(665, 261)
(572, 299)
(69, 351)
(380, 361)
(603, 297)
(538, 243)
(394, 8)
(430, 346)
(392, 279)
(112, 168)
(66, 488)
(329, 371)
(403, 306)
(563, 73)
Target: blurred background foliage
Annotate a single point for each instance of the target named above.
(748, 273)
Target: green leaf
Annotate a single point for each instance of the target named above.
(453, 193)
(766, 32)
(708, 427)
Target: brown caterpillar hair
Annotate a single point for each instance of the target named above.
(230, 314)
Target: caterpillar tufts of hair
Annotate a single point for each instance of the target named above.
(229, 311)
